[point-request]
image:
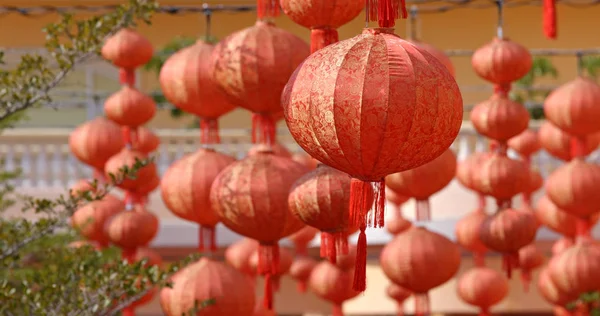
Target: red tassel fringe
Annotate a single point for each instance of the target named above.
(268, 265)
(385, 12)
(484, 312)
(267, 8)
(337, 310)
(549, 18)
(320, 38)
(422, 304)
(301, 287)
(209, 131)
(263, 129)
(400, 309)
(360, 268)
(207, 239)
(127, 77)
(333, 245)
(510, 261)
(525, 279)
(268, 297)
(423, 210)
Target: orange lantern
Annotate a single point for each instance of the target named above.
(467, 235)
(482, 287)
(90, 219)
(500, 118)
(530, 258)
(130, 230)
(558, 143)
(300, 271)
(333, 285)
(399, 295)
(95, 141)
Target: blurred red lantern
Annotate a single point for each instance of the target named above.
(90, 219)
(250, 197)
(577, 269)
(153, 258)
(501, 62)
(547, 288)
(95, 141)
(186, 79)
(573, 107)
(300, 271)
(129, 107)
(501, 177)
(302, 238)
(573, 188)
(506, 232)
(321, 199)
(146, 141)
(185, 189)
(530, 258)
(443, 58)
(467, 169)
(500, 118)
(424, 181)
(238, 255)
(333, 285)
(208, 280)
(127, 158)
(127, 49)
(130, 230)
(534, 184)
(482, 287)
(558, 220)
(526, 144)
(558, 143)
(420, 260)
(467, 235)
(322, 17)
(399, 295)
(397, 225)
(561, 245)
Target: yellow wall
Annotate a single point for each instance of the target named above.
(456, 29)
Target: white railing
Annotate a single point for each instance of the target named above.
(45, 160)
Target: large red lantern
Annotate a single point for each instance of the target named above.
(185, 189)
(482, 287)
(250, 197)
(321, 199)
(420, 260)
(387, 126)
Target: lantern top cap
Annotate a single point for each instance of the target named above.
(378, 30)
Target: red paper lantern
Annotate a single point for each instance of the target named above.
(557, 219)
(561, 245)
(387, 126)
(333, 285)
(127, 49)
(204, 280)
(321, 199)
(322, 17)
(467, 235)
(250, 197)
(506, 232)
(145, 141)
(185, 189)
(95, 141)
(238, 255)
(90, 219)
(573, 107)
(300, 271)
(399, 295)
(558, 143)
(482, 287)
(501, 62)
(577, 269)
(469, 168)
(500, 118)
(397, 225)
(547, 288)
(186, 80)
(302, 238)
(128, 158)
(129, 107)
(573, 188)
(424, 181)
(501, 177)
(395, 198)
(438, 54)
(284, 263)
(130, 230)
(530, 258)
(526, 144)
(420, 260)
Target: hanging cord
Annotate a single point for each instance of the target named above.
(579, 58)
(412, 23)
(500, 27)
(208, 18)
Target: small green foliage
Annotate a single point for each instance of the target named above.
(542, 68)
(591, 66)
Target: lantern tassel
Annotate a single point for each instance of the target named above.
(127, 77)
(341, 243)
(549, 19)
(359, 200)
(337, 310)
(209, 131)
(484, 311)
(268, 265)
(330, 249)
(400, 309)
(422, 304)
(525, 279)
(322, 37)
(267, 8)
(385, 12)
(301, 287)
(510, 261)
(268, 299)
(323, 249)
(263, 129)
(360, 268)
(423, 210)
